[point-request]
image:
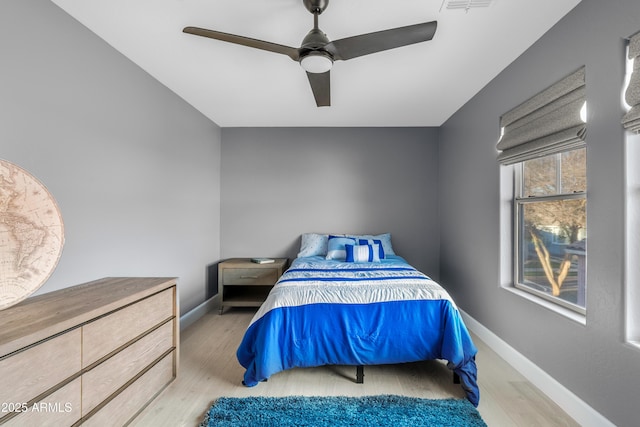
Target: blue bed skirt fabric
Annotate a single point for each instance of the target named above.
(359, 334)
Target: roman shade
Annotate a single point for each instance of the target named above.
(548, 123)
(631, 120)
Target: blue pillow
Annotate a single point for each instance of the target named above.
(362, 253)
(377, 242)
(336, 247)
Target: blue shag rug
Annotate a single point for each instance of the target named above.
(388, 410)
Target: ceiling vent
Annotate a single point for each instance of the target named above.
(466, 4)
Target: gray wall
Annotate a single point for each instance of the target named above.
(148, 186)
(134, 169)
(278, 183)
(591, 360)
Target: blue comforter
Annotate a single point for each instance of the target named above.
(335, 313)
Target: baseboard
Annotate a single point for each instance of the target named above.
(196, 313)
(584, 414)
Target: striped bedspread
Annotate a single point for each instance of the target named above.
(330, 312)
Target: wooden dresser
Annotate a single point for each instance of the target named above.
(92, 354)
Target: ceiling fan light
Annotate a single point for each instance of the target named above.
(316, 62)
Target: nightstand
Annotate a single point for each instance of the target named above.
(243, 283)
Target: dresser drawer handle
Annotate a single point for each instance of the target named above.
(248, 277)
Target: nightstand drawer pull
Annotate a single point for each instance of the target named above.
(250, 276)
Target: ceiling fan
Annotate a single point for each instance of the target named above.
(317, 52)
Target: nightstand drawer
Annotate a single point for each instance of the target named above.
(249, 276)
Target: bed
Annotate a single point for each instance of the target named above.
(353, 301)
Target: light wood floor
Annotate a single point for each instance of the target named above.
(209, 369)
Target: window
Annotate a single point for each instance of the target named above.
(550, 228)
(542, 151)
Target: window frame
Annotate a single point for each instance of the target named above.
(519, 201)
(632, 207)
(632, 245)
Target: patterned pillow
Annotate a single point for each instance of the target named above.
(313, 244)
(376, 242)
(385, 241)
(336, 247)
(362, 253)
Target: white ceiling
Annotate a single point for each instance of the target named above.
(417, 85)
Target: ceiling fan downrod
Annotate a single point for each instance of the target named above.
(315, 40)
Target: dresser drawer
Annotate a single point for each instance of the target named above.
(61, 408)
(133, 399)
(109, 333)
(30, 372)
(100, 350)
(107, 377)
(249, 276)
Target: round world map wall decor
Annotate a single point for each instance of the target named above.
(31, 234)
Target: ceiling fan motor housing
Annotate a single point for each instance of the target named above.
(314, 40)
(314, 58)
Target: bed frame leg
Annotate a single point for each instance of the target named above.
(359, 374)
(456, 378)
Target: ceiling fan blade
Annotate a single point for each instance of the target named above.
(365, 44)
(291, 52)
(321, 87)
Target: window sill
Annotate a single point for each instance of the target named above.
(634, 344)
(565, 312)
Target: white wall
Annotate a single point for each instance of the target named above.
(134, 169)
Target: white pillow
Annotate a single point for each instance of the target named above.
(313, 244)
(363, 253)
